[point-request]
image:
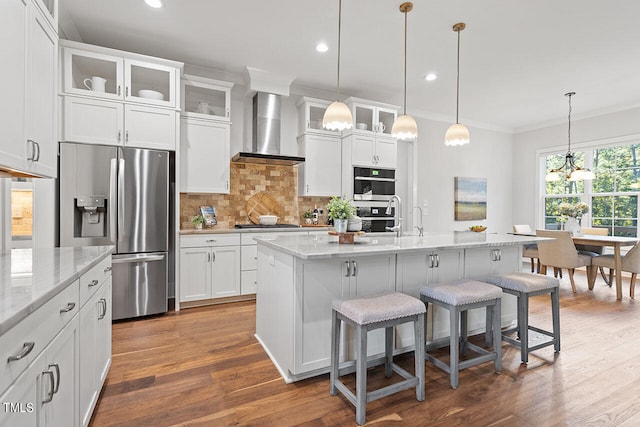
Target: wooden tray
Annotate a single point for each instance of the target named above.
(262, 203)
(346, 237)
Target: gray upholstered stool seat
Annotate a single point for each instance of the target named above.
(459, 297)
(380, 310)
(523, 286)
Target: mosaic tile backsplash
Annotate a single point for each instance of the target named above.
(246, 179)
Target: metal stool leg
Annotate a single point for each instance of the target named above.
(464, 326)
(496, 311)
(523, 326)
(388, 350)
(555, 313)
(361, 374)
(335, 352)
(454, 342)
(418, 329)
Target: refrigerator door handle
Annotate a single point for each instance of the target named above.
(137, 258)
(112, 201)
(121, 205)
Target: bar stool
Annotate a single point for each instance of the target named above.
(459, 297)
(523, 286)
(380, 310)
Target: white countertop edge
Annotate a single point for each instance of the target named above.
(187, 232)
(314, 248)
(8, 321)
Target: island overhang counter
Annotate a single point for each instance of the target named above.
(299, 276)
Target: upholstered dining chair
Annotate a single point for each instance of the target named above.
(530, 250)
(562, 253)
(630, 264)
(596, 250)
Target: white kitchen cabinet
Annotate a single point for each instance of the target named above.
(29, 143)
(321, 172)
(124, 76)
(149, 127)
(310, 114)
(367, 150)
(204, 156)
(205, 99)
(371, 117)
(49, 10)
(209, 266)
(319, 282)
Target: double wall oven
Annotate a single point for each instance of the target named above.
(372, 189)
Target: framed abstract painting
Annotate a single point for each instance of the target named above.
(470, 198)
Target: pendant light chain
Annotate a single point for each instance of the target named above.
(570, 94)
(458, 77)
(339, 32)
(405, 62)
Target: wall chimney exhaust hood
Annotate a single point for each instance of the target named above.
(265, 144)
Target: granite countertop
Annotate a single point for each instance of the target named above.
(31, 277)
(323, 247)
(222, 230)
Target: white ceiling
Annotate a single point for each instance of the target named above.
(518, 57)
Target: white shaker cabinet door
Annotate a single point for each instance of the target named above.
(320, 174)
(226, 271)
(149, 127)
(195, 274)
(204, 156)
(386, 152)
(93, 121)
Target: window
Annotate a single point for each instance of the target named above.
(612, 196)
(21, 212)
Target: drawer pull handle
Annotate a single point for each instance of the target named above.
(103, 303)
(26, 349)
(70, 306)
(210, 241)
(94, 282)
(49, 397)
(108, 269)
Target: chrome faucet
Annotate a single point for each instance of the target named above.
(419, 227)
(397, 218)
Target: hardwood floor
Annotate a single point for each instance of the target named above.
(203, 367)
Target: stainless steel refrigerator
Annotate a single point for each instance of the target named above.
(120, 196)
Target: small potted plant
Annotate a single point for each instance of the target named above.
(308, 216)
(340, 210)
(197, 221)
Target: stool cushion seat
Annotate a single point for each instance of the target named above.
(524, 282)
(378, 307)
(461, 292)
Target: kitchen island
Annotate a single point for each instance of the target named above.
(299, 276)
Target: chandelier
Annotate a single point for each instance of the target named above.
(569, 168)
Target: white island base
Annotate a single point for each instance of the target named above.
(299, 276)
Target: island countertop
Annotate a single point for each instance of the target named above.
(325, 247)
(31, 277)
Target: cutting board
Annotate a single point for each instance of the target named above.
(262, 203)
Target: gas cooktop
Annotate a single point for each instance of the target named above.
(267, 226)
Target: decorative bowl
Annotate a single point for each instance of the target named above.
(354, 224)
(361, 126)
(150, 94)
(268, 219)
(478, 228)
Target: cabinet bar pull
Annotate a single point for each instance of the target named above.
(214, 257)
(103, 303)
(26, 349)
(430, 261)
(33, 150)
(348, 269)
(70, 306)
(37, 151)
(119, 134)
(49, 397)
(355, 268)
(126, 91)
(126, 136)
(209, 257)
(210, 241)
(119, 90)
(93, 283)
(57, 368)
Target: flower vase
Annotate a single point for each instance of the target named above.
(340, 225)
(573, 226)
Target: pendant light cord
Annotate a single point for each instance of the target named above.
(458, 78)
(405, 63)
(339, 31)
(570, 94)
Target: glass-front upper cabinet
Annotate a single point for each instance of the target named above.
(206, 98)
(371, 116)
(49, 9)
(310, 114)
(112, 77)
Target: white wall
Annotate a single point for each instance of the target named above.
(582, 131)
(489, 155)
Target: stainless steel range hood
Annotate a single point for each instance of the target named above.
(265, 147)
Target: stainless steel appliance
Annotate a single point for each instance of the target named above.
(120, 196)
(373, 183)
(375, 217)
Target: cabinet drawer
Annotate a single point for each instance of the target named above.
(194, 241)
(92, 279)
(248, 282)
(249, 257)
(38, 328)
(247, 238)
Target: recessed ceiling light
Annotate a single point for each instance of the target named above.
(322, 47)
(156, 4)
(430, 77)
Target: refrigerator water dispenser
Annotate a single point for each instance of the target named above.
(90, 220)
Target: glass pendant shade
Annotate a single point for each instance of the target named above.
(552, 177)
(337, 117)
(457, 134)
(405, 128)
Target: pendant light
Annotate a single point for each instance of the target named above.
(338, 116)
(569, 168)
(405, 127)
(457, 134)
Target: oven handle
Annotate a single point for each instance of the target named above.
(367, 178)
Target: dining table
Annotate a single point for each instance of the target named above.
(616, 242)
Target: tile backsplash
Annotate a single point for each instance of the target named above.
(246, 179)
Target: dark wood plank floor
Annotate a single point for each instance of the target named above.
(203, 367)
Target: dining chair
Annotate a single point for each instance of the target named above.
(596, 250)
(630, 264)
(562, 253)
(530, 250)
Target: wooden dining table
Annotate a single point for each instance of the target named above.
(616, 242)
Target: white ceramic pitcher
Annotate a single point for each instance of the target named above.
(95, 83)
